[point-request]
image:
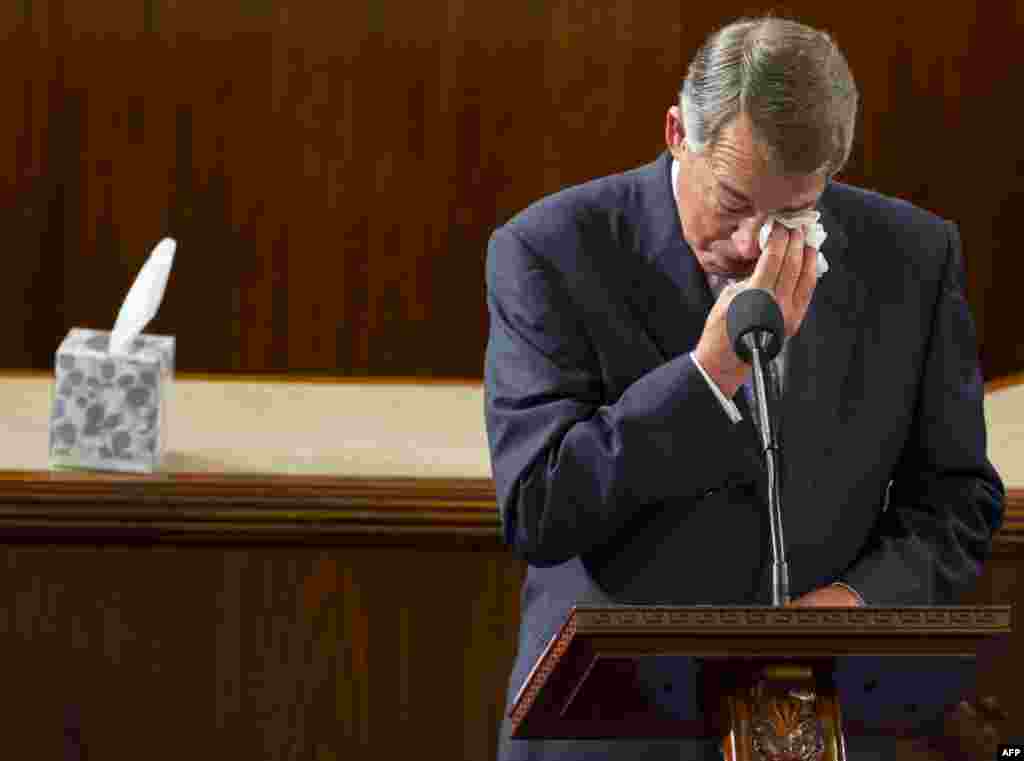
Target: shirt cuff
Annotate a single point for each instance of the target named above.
(727, 404)
(860, 600)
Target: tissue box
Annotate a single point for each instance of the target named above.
(110, 411)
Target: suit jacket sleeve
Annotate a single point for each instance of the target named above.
(570, 467)
(945, 498)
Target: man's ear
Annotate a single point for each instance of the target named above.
(675, 132)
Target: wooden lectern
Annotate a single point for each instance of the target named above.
(773, 683)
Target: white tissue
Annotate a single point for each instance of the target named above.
(143, 297)
(814, 231)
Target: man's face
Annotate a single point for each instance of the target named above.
(726, 193)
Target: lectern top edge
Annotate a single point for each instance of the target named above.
(909, 620)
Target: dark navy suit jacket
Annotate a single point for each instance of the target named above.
(620, 478)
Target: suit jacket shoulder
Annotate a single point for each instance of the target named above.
(888, 235)
(609, 210)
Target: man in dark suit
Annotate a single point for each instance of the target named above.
(626, 462)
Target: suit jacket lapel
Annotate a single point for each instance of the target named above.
(670, 293)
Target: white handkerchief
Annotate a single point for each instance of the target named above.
(815, 232)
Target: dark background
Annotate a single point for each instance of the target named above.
(332, 171)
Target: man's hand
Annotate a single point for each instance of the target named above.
(788, 270)
(826, 597)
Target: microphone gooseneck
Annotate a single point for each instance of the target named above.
(756, 329)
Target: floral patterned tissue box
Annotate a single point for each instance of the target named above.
(110, 412)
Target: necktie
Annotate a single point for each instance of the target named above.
(748, 392)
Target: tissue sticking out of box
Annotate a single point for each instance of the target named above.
(143, 297)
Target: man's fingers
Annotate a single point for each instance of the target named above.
(792, 265)
(787, 268)
(766, 273)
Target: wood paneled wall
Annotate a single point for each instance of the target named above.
(333, 170)
(273, 653)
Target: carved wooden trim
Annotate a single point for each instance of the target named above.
(542, 671)
(791, 713)
(910, 620)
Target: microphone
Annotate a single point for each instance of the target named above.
(756, 330)
(755, 320)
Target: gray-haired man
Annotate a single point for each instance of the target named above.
(625, 460)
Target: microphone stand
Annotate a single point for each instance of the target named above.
(780, 570)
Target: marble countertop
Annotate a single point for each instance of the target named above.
(373, 429)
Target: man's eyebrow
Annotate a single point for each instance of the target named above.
(788, 210)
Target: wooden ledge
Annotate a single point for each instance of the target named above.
(72, 506)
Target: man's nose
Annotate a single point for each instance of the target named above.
(745, 237)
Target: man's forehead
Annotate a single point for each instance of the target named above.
(756, 180)
(742, 165)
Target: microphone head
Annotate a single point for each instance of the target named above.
(755, 309)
